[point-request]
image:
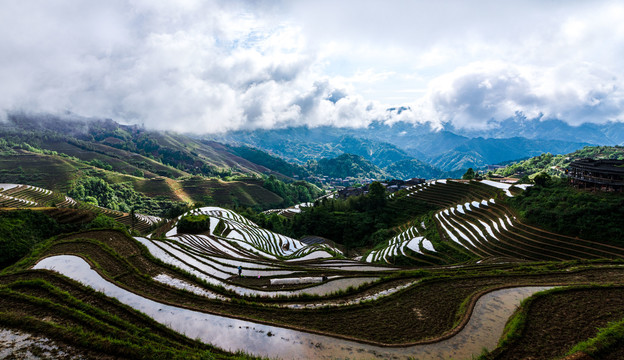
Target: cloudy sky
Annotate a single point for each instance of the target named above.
(213, 66)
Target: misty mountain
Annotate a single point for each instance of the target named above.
(480, 152)
(385, 145)
(302, 144)
(128, 147)
(610, 133)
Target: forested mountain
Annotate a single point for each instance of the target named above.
(479, 152)
(406, 169)
(610, 133)
(445, 149)
(347, 165)
(83, 138)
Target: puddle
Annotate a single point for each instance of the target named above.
(17, 344)
(482, 331)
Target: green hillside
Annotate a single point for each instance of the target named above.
(555, 165)
(148, 170)
(346, 165)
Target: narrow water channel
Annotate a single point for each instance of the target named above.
(482, 331)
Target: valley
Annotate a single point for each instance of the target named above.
(294, 180)
(413, 293)
(137, 239)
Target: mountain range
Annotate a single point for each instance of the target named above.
(400, 150)
(436, 151)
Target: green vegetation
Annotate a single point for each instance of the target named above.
(356, 222)
(406, 169)
(554, 165)
(469, 175)
(21, 230)
(607, 338)
(122, 197)
(292, 193)
(271, 162)
(146, 171)
(194, 224)
(346, 165)
(562, 209)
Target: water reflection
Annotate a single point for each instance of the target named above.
(482, 331)
(322, 289)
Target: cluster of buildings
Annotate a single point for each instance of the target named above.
(603, 175)
(391, 186)
(336, 183)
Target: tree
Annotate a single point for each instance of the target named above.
(376, 195)
(542, 179)
(469, 175)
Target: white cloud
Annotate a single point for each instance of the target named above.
(480, 94)
(209, 66)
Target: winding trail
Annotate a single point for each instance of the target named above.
(482, 331)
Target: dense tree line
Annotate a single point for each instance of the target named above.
(346, 165)
(358, 221)
(548, 163)
(556, 206)
(271, 162)
(194, 224)
(123, 197)
(23, 229)
(292, 193)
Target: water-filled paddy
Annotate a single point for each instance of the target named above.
(482, 331)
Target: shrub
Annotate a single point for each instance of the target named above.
(21, 230)
(102, 221)
(194, 224)
(219, 228)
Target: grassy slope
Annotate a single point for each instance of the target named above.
(47, 171)
(56, 172)
(121, 160)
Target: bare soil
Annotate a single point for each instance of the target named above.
(557, 322)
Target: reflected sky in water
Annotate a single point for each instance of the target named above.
(482, 331)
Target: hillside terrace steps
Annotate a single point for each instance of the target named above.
(584, 247)
(249, 238)
(28, 196)
(407, 243)
(496, 243)
(526, 249)
(451, 192)
(512, 238)
(506, 247)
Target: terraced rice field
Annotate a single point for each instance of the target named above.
(239, 286)
(473, 219)
(233, 242)
(254, 241)
(289, 212)
(408, 243)
(28, 196)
